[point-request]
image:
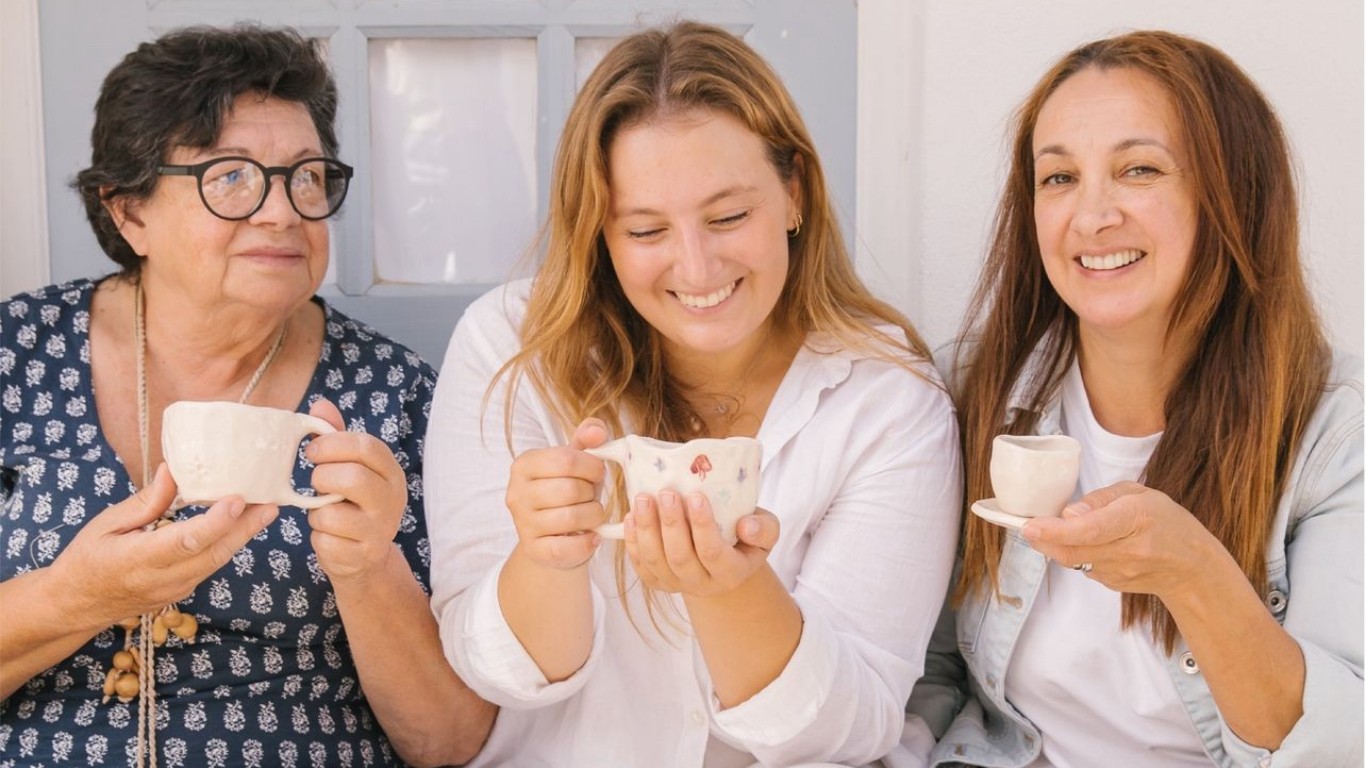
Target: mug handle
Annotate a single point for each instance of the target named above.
(614, 451)
(611, 530)
(312, 425)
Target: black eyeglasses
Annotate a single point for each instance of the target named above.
(234, 188)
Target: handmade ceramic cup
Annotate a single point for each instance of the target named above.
(1034, 475)
(218, 449)
(725, 470)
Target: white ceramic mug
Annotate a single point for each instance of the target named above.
(725, 470)
(1034, 475)
(218, 449)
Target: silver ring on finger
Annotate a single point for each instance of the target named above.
(1083, 567)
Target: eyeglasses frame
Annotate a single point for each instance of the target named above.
(197, 170)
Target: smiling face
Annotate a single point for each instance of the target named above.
(697, 230)
(1114, 206)
(274, 259)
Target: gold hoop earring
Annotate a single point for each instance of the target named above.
(796, 230)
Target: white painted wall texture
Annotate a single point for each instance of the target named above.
(23, 193)
(969, 65)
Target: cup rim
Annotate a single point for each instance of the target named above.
(665, 445)
(199, 405)
(1040, 443)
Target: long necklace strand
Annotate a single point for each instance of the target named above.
(147, 742)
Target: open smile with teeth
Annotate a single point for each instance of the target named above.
(708, 300)
(1102, 263)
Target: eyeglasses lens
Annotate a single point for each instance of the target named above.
(234, 188)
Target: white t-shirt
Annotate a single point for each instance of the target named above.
(861, 465)
(1090, 687)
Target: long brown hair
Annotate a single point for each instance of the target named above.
(585, 349)
(1244, 310)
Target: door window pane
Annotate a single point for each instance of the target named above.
(453, 143)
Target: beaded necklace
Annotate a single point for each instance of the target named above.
(132, 672)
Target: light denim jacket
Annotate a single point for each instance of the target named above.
(1314, 567)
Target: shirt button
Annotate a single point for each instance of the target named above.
(1275, 600)
(1188, 664)
(697, 717)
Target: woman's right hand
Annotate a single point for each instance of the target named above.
(553, 497)
(118, 570)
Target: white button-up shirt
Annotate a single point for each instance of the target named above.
(861, 465)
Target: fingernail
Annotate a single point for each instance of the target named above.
(1030, 531)
(1075, 509)
(695, 501)
(749, 527)
(668, 497)
(269, 514)
(235, 508)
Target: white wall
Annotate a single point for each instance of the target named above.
(970, 63)
(23, 193)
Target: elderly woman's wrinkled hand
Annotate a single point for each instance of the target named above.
(1128, 537)
(354, 537)
(122, 570)
(553, 497)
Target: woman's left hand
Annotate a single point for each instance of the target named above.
(675, 545)
(1135, 539)
(355, 536)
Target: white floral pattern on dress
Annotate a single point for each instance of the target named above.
(270, 680)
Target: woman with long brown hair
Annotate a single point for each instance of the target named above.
(695, 284)
(1200, 600)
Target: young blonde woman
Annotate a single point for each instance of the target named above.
(1200, 603)
(695, 283)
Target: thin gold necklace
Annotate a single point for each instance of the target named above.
(723, 404)
(153, 626)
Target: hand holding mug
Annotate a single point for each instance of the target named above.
(675, 544)
(353, 535)
(553, 497)
(113, 568)
(1134, 538)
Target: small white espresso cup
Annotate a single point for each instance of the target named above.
(218, 449)
(1034, 475)
(725, 470)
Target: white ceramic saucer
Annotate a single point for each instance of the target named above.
(988, 510)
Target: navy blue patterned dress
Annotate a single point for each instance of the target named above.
(269, 681)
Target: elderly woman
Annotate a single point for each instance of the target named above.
(213, 173)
